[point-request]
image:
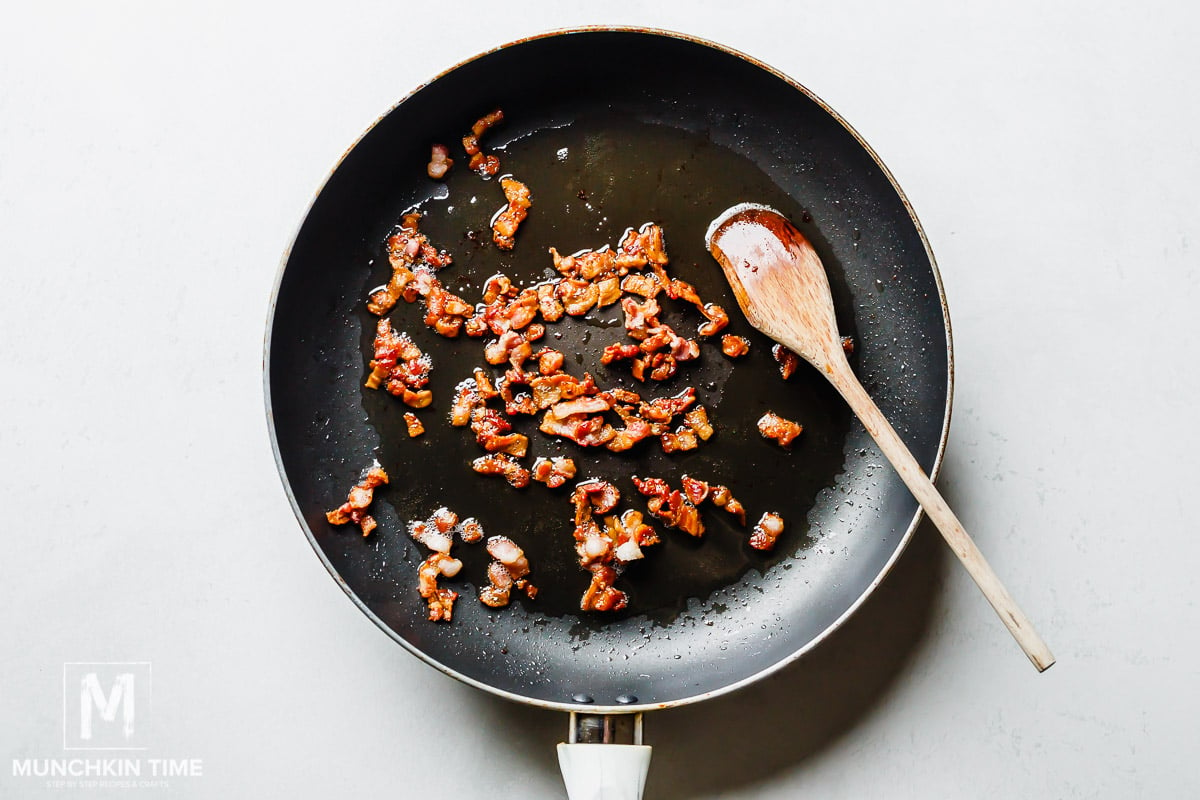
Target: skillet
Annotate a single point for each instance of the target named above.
(612, 128)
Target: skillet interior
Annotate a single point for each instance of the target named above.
(611, 129)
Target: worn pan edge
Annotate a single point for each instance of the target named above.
(604, 709)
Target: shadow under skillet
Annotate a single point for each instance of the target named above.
(717, 747)
(725, 745)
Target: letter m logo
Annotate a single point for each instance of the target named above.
(105, 705)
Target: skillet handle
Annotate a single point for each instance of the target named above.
(594, 767)
(604, 771)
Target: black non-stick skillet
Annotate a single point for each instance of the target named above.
(610, 129)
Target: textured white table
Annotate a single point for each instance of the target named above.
(154, 161)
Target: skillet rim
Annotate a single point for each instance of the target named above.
(812, 643)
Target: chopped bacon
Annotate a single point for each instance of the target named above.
(550, 361)
(510, 346)
(548, 303)
(642, 324)
(441, 601)
(579, 428)
(583, 405)
(508, 570)
(601, 595)
(634, 431)
(717, 320)
(483, 385)
(439, 161)
(629, 534)
(723, 498)
(445, 311)
(643, 284)
(407, 249)
(415, 428)
(577, 295)
(595, 495)
(505, 551)
(360, 497)
(509, 218)
(492, 432)
(466, 398)
(470, 530)
(788, 361)
(484, 164)
(499, 589)
(695, 490)
(554, 471)
(499, 285)
(734, 346)
(663, 409)
(848, 344)
(767, 531)
(683, 438)
(671, 506)
(697, 420)
(399, 366)
(502, 464)
(783, 431)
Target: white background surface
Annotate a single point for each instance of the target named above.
(154, 162)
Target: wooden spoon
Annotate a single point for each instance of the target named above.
(782, 288)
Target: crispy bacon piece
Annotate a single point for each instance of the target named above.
(499, 589)
(554, 471)
(493, 433)
(602, 549)
(848, 344)
(601, 595)
(660, 348)
(767, 531)
(697, 420)
(629, 534)
(483, 385)
(502, 464)
(470, 530)
(360, 497)
(671, 506)
(697, 491)
(510, 346)
(508, 570)
(783, 431)
(734, 346)
(505, 551)
(483, 163)
(414, 426)
(399, 366)
(440, 601)
(509, 218)
(407, 249)
(788, 361)
(723, 498)
(440, 162)
(594, 495)
(682, 438)
(466, 398)
(548, 303)
(641, 247)
(579, 428)
(577, 295)
(644, 284)
(550, 361)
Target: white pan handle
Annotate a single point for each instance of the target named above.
(604, 771)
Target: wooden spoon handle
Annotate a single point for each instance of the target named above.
(952, 530)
